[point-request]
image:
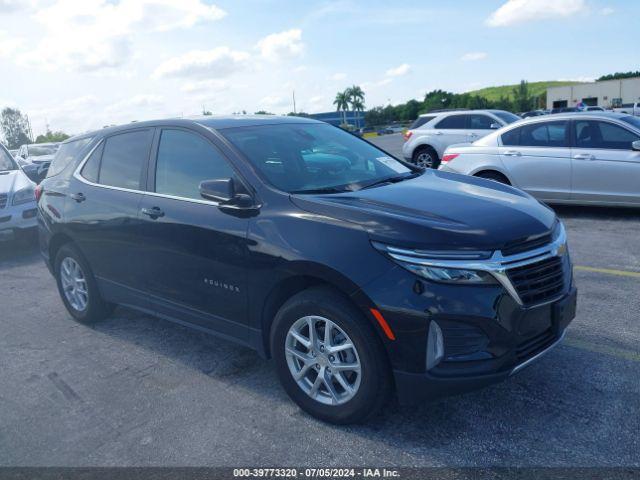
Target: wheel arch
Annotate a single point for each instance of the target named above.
(303, 278)
(55, 243)
(492, 169)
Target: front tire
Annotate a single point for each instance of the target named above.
(425, 157)
(328, 359)
(77, 287)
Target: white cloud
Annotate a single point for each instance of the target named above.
(399, 70)
(607, 11)
(373, 85)
(338, 76)
(97, 34)
(217, 63)
(520, 11)
(473, 56)
(275, 102)
(8, 44)
(205, 86)
(136, 102)
(11, 6)
(283, 45)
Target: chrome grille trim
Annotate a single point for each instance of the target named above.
(497, 264)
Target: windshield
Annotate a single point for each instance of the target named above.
(634, 121)
(507, 117)
(6, 161)
(307, 158)
(39, 150)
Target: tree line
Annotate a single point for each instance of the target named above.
(521, 100)
(16, 131)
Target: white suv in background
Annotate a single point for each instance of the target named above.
(431, 133)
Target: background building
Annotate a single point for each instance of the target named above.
(335, 118)
(607, 94)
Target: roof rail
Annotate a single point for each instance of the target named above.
(440, 110)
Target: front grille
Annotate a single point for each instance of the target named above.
(539, 281)
(3, 200)
(534, 345)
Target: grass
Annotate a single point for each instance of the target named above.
(535, 89)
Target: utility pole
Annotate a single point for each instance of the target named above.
(294, 101)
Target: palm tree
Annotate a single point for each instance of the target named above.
(358, 106)
(356, 99)
(342, 104)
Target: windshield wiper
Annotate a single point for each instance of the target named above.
(323, 190)
(396, 179)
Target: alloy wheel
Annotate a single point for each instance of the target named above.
(424, 160)
(323, 360)
(74, 284)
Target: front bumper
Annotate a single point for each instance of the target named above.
(416, 387)
(19, 217)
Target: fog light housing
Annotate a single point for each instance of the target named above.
(435, 345)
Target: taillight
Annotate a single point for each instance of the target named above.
(449, 156)
(38, 192)
(407, 135)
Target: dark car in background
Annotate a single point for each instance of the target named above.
(359, 274)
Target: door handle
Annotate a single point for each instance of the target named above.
(584, 156)
(437, 133)
(512, 153)
(78, 197)
(154, 212)
(473, 135)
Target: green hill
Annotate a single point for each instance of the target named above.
(535, 89)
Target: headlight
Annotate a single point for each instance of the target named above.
(450, 275)
(25, 195)
(429, 265)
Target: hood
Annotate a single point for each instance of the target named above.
(12, 181)
(439, 210)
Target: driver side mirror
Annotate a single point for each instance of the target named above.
(495, 126)
(219, 190)
(225, 192)
(635, 145)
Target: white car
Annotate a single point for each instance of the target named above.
(38, 153)
(18, 209)
(588, 158)
(431, 133)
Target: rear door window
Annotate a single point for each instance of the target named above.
(545, 134)
(124, 158)
(453, 122)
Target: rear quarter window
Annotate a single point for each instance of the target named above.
(420, 121)
(68, 153)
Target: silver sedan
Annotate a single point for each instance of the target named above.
(590, 158)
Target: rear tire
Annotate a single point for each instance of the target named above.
(495, 176)
(77, 286)
(343, 394)
(425, 157)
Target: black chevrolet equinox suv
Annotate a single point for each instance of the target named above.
(361, 276)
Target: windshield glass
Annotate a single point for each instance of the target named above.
(635, 121)
(507, 117)
(6, 161)
(39, 150)
(306, 158)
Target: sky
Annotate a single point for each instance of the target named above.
(77, 65)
